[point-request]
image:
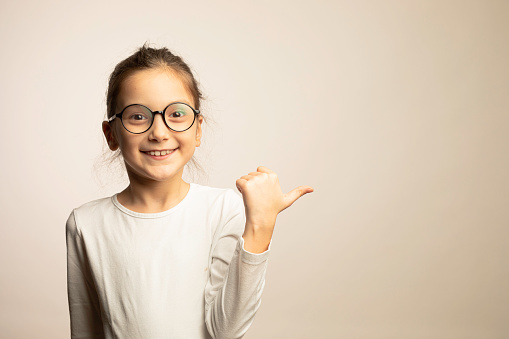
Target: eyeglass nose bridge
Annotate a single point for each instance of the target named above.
(154, 118)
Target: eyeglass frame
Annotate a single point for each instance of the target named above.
(119, 115)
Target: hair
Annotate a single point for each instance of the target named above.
(150, 58)
(146, 58)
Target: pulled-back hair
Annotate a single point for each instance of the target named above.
(143, 59)
(146, 58)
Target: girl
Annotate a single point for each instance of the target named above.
(165, 258)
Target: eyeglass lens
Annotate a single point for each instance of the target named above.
(138, 119)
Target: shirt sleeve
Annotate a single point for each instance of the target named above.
(84, 310)
(236, 277)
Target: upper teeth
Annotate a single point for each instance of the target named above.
(160, 152)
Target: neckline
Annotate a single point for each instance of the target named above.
(192, 187)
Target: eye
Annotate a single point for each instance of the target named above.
(136, 114)
(137, 117)
(177, 114)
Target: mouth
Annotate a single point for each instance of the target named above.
(160, 152)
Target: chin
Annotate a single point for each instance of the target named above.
(159, 176)
(164, 176)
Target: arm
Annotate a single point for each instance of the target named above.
(232, 300)
(236, 279)
(84, 307)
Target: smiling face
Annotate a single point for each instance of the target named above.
(154, 88)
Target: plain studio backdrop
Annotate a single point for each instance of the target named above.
(396, 112)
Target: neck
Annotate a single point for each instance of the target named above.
(149, 196)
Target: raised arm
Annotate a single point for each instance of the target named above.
(236, 277)
(84, 307)
(235, 285)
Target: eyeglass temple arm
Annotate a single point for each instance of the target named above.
(113, 117)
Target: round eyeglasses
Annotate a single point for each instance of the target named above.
(137, 119)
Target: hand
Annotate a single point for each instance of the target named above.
(263, 198)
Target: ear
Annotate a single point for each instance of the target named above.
(199, 131)
(110, 136)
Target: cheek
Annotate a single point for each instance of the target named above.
(190, 140)
(128, 144)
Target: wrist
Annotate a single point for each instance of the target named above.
(260, 224)
(255, 231)
(256, 238)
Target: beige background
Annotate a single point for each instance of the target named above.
(396, 112)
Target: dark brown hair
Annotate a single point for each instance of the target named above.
(146, 58)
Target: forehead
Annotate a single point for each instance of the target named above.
(154, 88)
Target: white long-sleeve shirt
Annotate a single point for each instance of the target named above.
(181, 273)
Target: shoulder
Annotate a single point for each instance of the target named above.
(87, 211)
(220, 204)
(224, 210)
(94, 207)
(215, 195)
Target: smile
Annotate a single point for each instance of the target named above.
(158, 153)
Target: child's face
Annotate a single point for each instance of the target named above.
(155, 88)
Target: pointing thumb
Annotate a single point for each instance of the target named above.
(295, 194)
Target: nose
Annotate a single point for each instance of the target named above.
(159, 131)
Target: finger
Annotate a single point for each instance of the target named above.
(264, 169)
(240, 184)
(255, 173)
(295, 194)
